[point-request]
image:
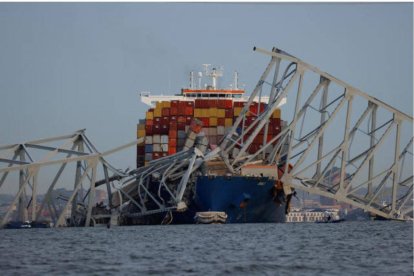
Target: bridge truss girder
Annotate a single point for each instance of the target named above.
(59, 151)
(324, 153)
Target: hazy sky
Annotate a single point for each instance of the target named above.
(65, 67)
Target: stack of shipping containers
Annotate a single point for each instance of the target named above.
(166, 126)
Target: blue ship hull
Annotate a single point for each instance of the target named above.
(243, 199)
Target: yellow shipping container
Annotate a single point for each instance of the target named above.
(157, 112)
(166, 104)
(158, 105)
(276, 113)
(237, 111)
(198, 112)
(141, 126)
(205, 113)
(212, 112)
(149, 115)
(228, 122)
(213, 121)
(140, 133)
(221, 113)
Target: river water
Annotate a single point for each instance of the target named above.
(348, 248)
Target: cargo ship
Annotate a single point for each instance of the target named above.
(209, 112)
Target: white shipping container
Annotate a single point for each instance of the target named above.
(164, 147)
(212, 131)
(164, 139)
(148, 140)
(156, 139)
(189, 143)
(191, 135)
(220, 130)
(156, 147)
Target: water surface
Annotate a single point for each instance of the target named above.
(349, 248)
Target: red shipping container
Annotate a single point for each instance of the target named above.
(188, 120)
(181, 106)
(173, 111)
(172, 142)
(173, 118)
(174, 103)
(206, 121)
(199, 103)
(220, 121)
(206, 103)
(165, 111)
(228, 113)
(140, 150)
(156, 129)
(181, 119)
(212, 103)
(155, 155)
(172, 133)
(275, 122)
(148, 130)
(226, 104)
(172, 151)
(149, 122)
(189, 111)
(173, 125)
(190, 103)
(165, 120)
(238, 104)
(181, 126)
(164, 129)
(262, 107)
(157, 120)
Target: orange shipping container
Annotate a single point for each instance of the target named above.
(172, 142)
(172, 151)
(276, 114)
(149, 115)
(213, 121)
(212, 112)
(198, 113)
(221, 113)
(157, 112)
(228, 122)
(237, 111)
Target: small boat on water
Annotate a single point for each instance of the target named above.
(330, 219)
(27, 224)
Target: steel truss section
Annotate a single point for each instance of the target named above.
(161, 186)
(324, 147)
(74, 148)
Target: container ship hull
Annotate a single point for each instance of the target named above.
(243, 199)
